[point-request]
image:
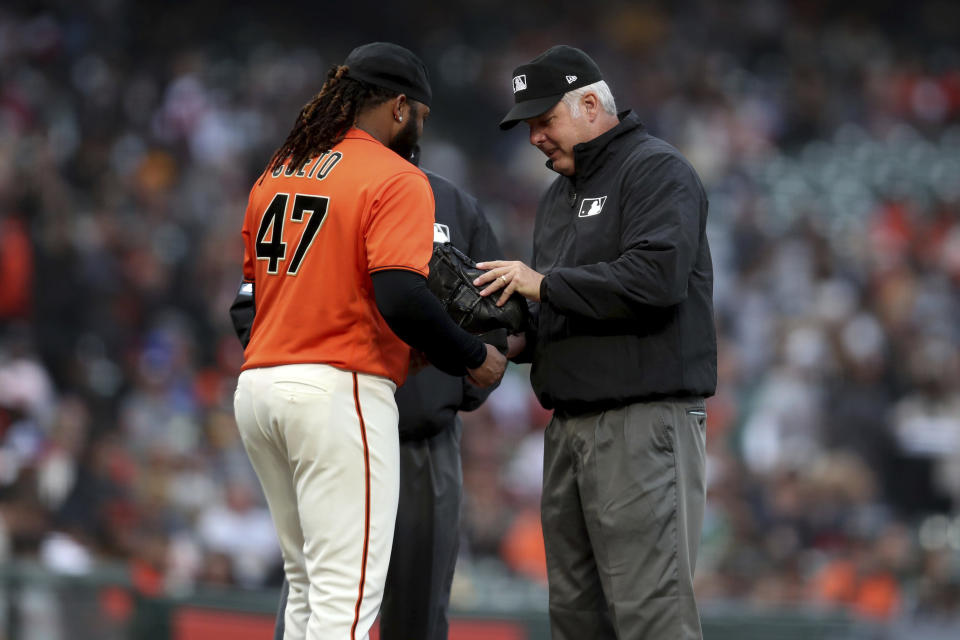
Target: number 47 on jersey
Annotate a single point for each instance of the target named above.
(274, 250)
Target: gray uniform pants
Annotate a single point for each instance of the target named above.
(425, 541)
(622, 510)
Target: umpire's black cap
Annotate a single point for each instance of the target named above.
(390, 66)
(541, 83)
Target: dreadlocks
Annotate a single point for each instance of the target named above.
(323, 122)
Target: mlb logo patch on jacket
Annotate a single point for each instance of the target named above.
(591, 206)
(441, 232)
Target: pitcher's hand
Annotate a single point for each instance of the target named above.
(490, 372)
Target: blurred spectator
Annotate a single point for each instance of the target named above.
(243, 532)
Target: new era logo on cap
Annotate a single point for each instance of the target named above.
(571, 79)
(519, 83)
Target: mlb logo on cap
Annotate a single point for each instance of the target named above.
(519, 83)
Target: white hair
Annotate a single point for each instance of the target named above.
(600, 89)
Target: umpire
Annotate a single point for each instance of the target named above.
(426, 539)
(625, 352)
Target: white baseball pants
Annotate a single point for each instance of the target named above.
(324, 444)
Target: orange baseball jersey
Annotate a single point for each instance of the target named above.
(313, 235)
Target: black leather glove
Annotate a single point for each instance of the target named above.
(451, 279)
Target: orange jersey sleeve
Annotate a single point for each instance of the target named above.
(395, 231)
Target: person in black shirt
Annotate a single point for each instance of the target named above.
(623, 350)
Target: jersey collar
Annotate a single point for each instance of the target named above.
(358, 133)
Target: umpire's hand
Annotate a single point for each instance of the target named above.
(490, 372)
(510, 276)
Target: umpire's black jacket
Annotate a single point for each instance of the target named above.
(429, 400)
(627, 310)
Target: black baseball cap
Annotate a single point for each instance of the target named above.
(390, 66)
(541, 83)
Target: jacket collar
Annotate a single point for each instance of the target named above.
(590, 156)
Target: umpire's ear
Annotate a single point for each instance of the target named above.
(242, 312)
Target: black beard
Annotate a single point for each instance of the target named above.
(406, 140)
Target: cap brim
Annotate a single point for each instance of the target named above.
(528, 109)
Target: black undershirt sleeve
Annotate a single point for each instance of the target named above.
(418, 318)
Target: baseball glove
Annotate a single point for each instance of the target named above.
(451, 280)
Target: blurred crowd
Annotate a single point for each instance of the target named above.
(829, 141)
